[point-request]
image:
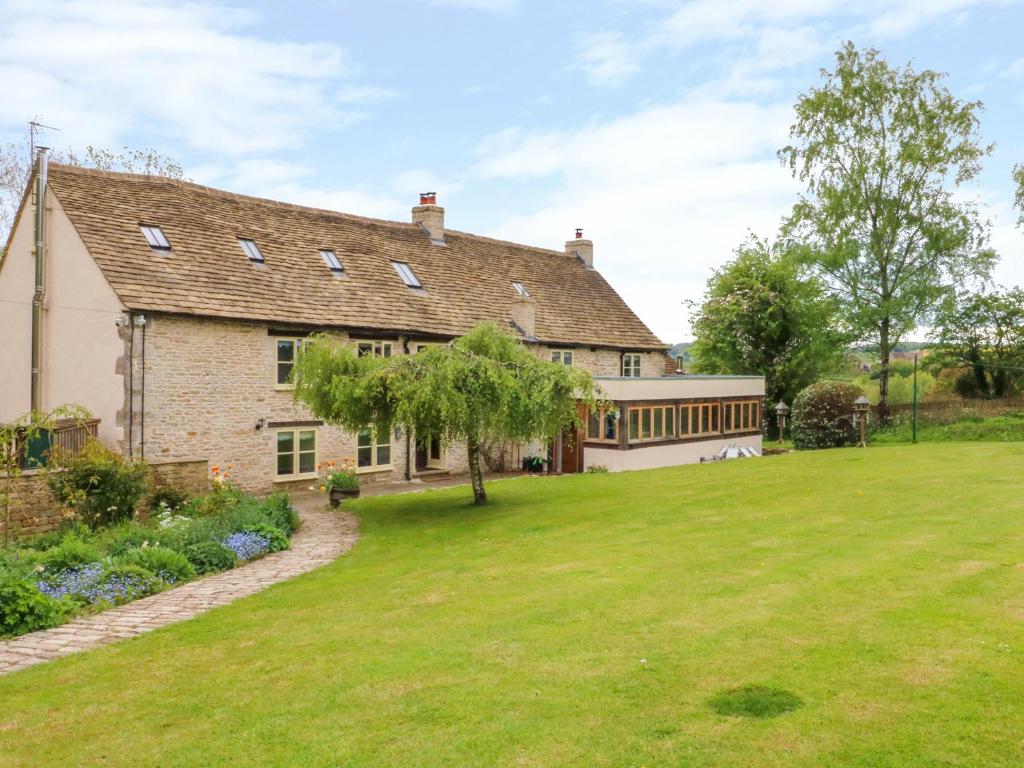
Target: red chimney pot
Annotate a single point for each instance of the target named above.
(428, 198)
(579, 232)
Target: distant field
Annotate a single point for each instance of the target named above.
(835, 608)
(999, 429)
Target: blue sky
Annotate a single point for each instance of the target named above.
(653, 124)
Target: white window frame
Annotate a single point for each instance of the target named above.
(251, 250)
(296, 433)
(376, 347)
(520, 289)
(563, 356)
(332, 261)
(297, 343)
(374, 446)
(156, 238)
(405, 272)
(631, 363)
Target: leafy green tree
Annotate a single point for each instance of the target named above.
(1018, 198)
(879, 149)
(983, 332)
(759, 317)
(483, 386)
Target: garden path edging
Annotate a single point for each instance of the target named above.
(324, 535)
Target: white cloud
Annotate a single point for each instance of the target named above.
(754, 36)
(182, 73)
(605, 58)
(666, 194)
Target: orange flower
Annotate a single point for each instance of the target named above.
(216, 469)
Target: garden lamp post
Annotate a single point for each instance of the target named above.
(781, 410)
(861, 406)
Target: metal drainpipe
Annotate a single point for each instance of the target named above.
(408, 437)
(39, 295)
(131, 385)
(142, 406)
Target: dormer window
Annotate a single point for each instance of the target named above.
(250, 249)
(521, 289)
(332, 261)
(156, 238)
(405, 272)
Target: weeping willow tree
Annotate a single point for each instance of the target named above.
(483, 386)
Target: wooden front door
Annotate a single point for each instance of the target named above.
(572, 451)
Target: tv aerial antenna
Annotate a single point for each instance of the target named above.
(35, 127)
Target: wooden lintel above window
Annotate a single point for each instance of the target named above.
(287, 424)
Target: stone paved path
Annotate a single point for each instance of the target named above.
(324, 535)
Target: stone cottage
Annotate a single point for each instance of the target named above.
(174, 313)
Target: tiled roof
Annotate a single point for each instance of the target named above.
(207, 273)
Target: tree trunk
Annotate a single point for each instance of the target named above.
(475, 475)
(884, 353)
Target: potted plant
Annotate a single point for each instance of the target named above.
(339, 482)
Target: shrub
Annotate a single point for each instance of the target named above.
(823, 415)
(24, 608)
(280, 513)
(102, 486)
(167, 495)
(168, 565)
(71, 553)
(221, 500)
(276, 538)
(130, 535)
(597, 469)
(210, 557)
(246, 545)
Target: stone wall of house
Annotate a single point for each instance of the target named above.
(33, 508)
(608, 362)
(211, 398)
(211, 395)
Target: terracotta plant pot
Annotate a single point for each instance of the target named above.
(340, 494)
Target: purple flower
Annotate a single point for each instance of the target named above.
(89, 584)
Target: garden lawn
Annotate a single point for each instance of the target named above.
(875, 596)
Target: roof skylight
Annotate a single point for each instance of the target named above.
(332, 261)
(155, 237)
(405, 272)
(249, 246)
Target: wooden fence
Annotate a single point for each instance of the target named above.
(948, 411)
(66, 437)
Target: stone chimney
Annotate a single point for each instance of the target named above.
(524, 315)
(581, 249)
(429, 215)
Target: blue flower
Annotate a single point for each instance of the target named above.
(247, 545)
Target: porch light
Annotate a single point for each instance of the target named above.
(861, 409)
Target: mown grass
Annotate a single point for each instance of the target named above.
(997, 429)
(595, 620)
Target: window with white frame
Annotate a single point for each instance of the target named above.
(563, 356)
(521, 289)
(296, 452)
(374, 348)
(287, 354)
(631, 364)
(156, 238)
(371, 453)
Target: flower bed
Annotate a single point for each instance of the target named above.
(49, 579)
